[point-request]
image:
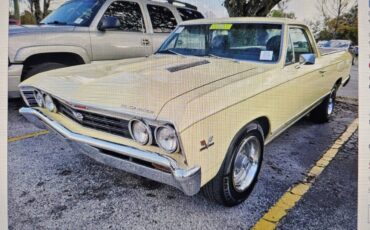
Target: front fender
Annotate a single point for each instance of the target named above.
(23, 53)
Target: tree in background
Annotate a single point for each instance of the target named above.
(28, 18)
(35, 8)
(345, 27)
(16, 9)
(244, 8)
(332, 11)
(280, 12)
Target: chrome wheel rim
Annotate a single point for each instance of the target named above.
(331, 104)
(246, 163)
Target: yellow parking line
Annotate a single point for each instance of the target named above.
(30, 135)
(290, 198)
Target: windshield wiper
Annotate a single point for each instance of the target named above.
(223, 58)
(174, 52)
(56, 23)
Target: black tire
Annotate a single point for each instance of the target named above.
(323, 112)
(42, 68)
(221, 188)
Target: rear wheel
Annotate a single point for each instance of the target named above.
(325, 110)
(238, 174)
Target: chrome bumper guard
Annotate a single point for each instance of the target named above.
(187, 180)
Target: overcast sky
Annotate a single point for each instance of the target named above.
(303, 9)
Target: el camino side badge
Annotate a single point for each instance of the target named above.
(205, 145)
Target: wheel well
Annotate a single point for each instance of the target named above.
(338, 82)
(69, 59)
(265, 125)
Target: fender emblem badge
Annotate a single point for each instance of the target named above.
(205, 145)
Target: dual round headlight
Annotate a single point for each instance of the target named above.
(165, 136)
(45, 100)
(140, 132)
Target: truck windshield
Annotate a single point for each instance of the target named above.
(75, 12)
(241, 41)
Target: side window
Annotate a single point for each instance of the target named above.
(162, 18)
(129, 14)
(290, 53)
(191, 38)
(301, 43)
(187, 14)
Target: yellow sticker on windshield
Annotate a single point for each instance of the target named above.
(221, 26)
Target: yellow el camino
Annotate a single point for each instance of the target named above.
(198, 113)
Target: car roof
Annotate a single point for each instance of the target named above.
(244, 20)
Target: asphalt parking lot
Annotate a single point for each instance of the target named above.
(52, 187)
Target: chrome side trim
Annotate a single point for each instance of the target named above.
(187, 180)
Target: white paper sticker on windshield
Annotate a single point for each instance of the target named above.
(179, 30)
(266, 55)
(78, 21)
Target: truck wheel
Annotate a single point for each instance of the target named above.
(42, 68)
(239, 171)
(324, 111)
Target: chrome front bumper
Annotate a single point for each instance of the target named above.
(126, 158)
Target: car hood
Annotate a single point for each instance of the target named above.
(27, 29)
(139, 86)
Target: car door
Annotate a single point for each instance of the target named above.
(306, 78)
(163, 22)
(130, 40)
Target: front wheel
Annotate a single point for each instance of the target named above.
(325, 110)
(238, 174)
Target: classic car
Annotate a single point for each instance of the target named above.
(85, 31)
(198, 113)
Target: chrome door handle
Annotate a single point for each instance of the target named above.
(145, 42)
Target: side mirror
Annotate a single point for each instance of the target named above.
(307, 59)
(109, 22)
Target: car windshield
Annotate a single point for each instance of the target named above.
(75, 12)
(241, 41)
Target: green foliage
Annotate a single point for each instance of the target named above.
(347, 27)
(243, 8)
(282, 14)
(27, 18)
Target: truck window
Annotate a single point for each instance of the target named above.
(187, 14)
(301, 43)
(129, 14)
(290, 53)
(76, 13)
(162, 18)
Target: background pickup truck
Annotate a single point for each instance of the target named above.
(82, 31)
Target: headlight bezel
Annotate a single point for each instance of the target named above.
(177, 141)
(149, 140)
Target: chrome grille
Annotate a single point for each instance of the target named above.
(29, 96)
(99, 122)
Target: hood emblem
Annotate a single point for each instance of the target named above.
(78, 116)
